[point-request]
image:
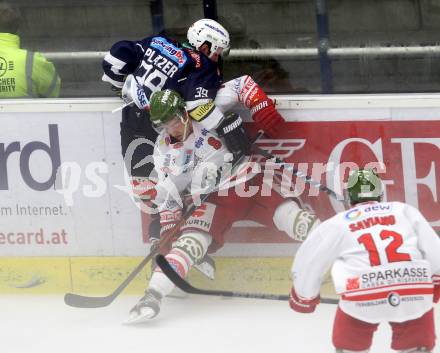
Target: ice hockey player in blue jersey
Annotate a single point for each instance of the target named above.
(158, 63)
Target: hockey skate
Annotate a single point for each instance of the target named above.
(147, 308)
(206, 267)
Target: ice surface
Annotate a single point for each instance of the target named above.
(196, 324)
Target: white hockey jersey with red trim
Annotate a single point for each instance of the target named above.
(385, 256)
(182, 167)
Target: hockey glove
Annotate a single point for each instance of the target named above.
(144, 189)
(231, 129)
(154, 244)
(210, 176)
(133, 92)
(302, 305)
(263, 110)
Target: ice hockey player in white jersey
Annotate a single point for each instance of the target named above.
(386, 268)
(192, 160)
(156, 63)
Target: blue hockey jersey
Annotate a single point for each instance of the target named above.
(161, 63)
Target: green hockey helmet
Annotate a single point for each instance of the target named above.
(364, 185)
(166, 105)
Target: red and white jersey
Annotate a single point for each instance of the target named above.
(183, 166)
(176, 163)
(385, 256)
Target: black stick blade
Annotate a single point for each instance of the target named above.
(188, 288)
(80, 301)
(168, 270)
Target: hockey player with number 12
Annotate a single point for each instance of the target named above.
(189, 158)
(386, 267)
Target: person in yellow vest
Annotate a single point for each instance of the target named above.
(23, 73)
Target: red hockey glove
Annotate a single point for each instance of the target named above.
(143, 188)
(262, 108)
(302, 305)
(267, 118)
(436, 293)
(168, 221)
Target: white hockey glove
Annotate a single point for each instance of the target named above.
(205, 179)
(212, 174)
(133, 92)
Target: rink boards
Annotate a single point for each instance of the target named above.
(101, 275)
(67, 221)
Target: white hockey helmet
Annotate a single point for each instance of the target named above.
(207, 30)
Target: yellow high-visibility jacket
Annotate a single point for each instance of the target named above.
(23, 73)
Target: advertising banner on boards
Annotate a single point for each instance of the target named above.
(405, 153)
(63, 191)
(62, 188)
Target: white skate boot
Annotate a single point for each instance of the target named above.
(147, 307)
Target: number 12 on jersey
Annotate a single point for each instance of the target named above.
(391, 250)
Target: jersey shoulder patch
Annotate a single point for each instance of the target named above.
(202, 111)
(169, 49)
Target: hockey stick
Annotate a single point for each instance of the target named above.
(299, 174)
(83, 301)
(188, 288)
